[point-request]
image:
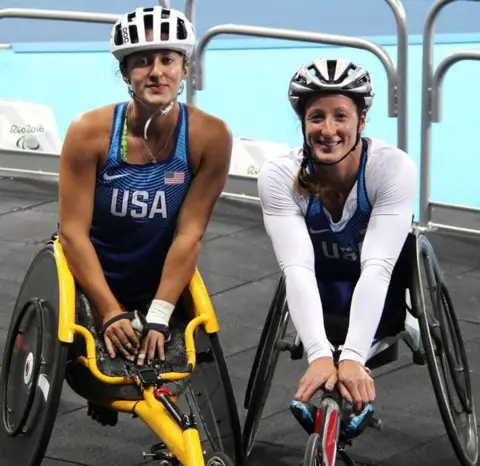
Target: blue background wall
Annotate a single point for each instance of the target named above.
(246, 79)
(355, 17)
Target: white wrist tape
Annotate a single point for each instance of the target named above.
(160, 312)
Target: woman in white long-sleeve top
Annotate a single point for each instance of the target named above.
(338, 210)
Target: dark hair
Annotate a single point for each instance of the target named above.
(307, 182)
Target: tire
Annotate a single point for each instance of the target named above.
(438, 322)
(267, 359)
(263, 339)
(313, 451)
(43, 367)
(219, 459)
(211, 392)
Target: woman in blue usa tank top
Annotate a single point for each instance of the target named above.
(138, 183)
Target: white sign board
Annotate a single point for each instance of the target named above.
(249, 155)
(28, 126)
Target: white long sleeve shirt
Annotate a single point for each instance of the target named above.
(365, 243)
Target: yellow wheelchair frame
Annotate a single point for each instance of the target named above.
(184, 445)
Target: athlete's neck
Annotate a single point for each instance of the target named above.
(341, 177)
(159, 127)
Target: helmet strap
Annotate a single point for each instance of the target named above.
(161, 111)
(314, 161)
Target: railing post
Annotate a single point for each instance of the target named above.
(402, 73)
(430, 112)
(190, 14)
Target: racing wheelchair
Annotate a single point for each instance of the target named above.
(186, 400)
(420, 312)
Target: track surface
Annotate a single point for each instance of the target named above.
(239, 268)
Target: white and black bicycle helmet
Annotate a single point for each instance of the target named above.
(171, 30)
(325, 75)
(129, 32)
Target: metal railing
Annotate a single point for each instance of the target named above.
(402, 72)
(17, 163)
(60, 15)
(431, 100)
(190, 91)
(397, 77)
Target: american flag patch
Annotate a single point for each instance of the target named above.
(174, 177)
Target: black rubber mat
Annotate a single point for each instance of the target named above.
(239, 268)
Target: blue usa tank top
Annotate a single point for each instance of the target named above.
(337, 253)
(135, 213)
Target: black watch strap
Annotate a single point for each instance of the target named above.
(162, 328)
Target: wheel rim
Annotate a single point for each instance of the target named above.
(209, 392)
(261, 348)
(41, 281)
(449, 359)
(25, 357)
(272, 354)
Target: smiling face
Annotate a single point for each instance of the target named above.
(155, 76)
(332, 125)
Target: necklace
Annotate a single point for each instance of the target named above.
(153, 157)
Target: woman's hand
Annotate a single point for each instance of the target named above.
(320, 373)
(154, 341)
(120, 336)
(355, 384)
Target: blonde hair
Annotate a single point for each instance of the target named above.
(307, 183)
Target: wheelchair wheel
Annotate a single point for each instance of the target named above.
(33, 367)
(446, 356)
(219, 459)
(266, 359)
(261, 345)
(213, 400)
(313, 451)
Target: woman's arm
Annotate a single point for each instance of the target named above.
(394, 179)
(285, 224)
(204, 191)
(78, 168)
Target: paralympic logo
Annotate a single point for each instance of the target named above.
(28, 140)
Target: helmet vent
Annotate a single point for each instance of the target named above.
(165, 31)
(132, 30)
(181, 30)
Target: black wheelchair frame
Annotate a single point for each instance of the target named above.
(438, 336)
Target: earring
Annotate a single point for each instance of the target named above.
(182, 85)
